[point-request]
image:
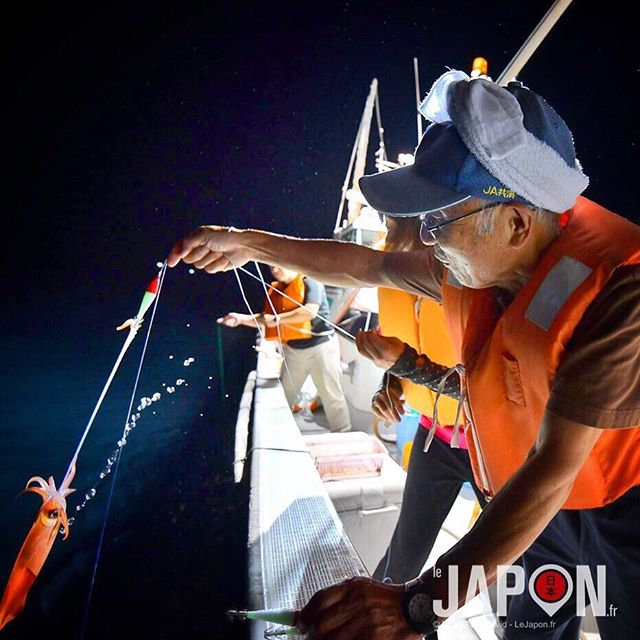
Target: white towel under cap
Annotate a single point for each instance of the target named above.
(435, 105)
(493, 117)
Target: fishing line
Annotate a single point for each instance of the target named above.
(277, 317)
(253, 315)
(115, 471)
(264, 286)
(244, 297)
(331, 324)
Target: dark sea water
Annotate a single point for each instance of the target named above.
(173, 558)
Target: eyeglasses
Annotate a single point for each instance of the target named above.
(431, 224)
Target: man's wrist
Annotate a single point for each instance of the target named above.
(418, 609)
(406, 362)
(390, 383)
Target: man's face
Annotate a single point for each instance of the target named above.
(476, 260)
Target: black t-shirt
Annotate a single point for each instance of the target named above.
(315, 293)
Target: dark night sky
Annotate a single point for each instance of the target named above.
(131, 122)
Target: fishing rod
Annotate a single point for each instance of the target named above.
(288, 619)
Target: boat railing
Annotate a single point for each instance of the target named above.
(297, 544)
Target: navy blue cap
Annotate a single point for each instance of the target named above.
(445, 172)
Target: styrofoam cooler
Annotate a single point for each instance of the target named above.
(368, 506)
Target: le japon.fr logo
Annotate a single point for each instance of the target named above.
(550, 586)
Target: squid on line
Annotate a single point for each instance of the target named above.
(37, 545)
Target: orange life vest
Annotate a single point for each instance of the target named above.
(295, 290)
(511, 358)
(420, 323)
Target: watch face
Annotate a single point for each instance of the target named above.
(420, 608)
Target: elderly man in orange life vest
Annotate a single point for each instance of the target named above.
(540, 289)
(309, 345)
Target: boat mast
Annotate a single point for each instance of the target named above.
(382, 150)
(533, 41)
(358, 157)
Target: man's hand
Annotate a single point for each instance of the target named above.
(211, 248)
(234, 319)
(269, 320)
(387, 404)
(383, 351)
(355, 609)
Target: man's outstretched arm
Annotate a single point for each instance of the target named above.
(346, 264)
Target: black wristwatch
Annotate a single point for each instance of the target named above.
(419, 609)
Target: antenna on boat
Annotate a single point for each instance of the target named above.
(417, 83)
(533, 41)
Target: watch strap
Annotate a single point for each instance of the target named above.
(418, 609)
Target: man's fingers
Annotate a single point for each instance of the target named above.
(176, 253)
(195, 248)
(189, 249)
(391, 413)
(381, 410)
(356, 609)
(205, 261)
(360, 344)
(319, 603)
(364, 346)
(221, 263)
(197, 255)
(393, 405)
(388, 406)
(334, 622)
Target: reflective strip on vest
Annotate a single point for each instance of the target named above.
(561, 281)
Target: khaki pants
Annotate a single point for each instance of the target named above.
(322, 363)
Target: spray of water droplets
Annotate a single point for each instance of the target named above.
(132, 423)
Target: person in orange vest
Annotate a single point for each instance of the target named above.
(309, 345)
(540, 290)
(434, 479)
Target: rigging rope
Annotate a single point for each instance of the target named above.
(331, 324)
(277, 317)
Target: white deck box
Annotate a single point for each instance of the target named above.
(367, 506)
